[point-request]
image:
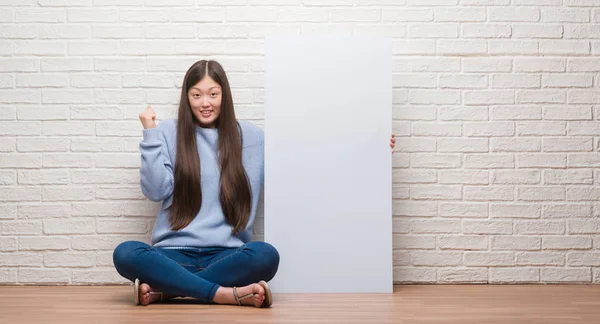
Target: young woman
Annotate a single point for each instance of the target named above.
(207, 168)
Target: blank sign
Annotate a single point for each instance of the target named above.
(328, 185)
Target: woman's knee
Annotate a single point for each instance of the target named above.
(267, 257)
(125, 254)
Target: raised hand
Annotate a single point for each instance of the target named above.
(148, 118)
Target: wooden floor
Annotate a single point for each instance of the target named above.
(482, 304)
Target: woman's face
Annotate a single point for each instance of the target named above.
(205, 100)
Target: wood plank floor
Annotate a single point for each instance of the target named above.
(480, 304)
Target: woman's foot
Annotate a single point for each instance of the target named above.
(149, 296)
(226, 295)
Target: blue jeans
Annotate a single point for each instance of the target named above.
(196, 272)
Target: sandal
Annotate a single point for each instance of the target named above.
(268, 296)
(136, 292)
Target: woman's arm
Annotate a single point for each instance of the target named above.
(156, 172)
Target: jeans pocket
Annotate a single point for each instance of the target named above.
(189, 267)
(189, 259)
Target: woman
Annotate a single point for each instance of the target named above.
(207, 168)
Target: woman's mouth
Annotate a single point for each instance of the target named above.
(206, 113)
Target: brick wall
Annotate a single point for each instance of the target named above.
(495, 172)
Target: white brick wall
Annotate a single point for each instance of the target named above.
(495, 176)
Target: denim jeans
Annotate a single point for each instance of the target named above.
(196, 272)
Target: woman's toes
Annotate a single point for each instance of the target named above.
(258, 300)
(259, 296)
(145, 294)
(258, 289)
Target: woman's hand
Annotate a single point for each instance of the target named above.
(148, 118)
(393, 142)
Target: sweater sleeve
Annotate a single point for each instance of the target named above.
(156, 172)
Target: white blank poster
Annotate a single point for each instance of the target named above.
(328, 186)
